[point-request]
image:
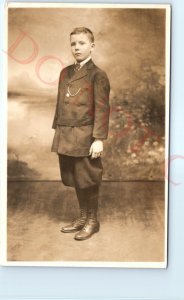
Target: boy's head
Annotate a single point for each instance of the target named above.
(82, 43)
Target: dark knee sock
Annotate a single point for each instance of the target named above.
(92, 197)
(88, 197)
(81, 197)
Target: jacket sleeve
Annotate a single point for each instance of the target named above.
(54, 124)
(102, 107)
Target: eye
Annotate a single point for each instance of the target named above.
(73, 44)
(81, 43)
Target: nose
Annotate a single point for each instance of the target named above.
(76, 47)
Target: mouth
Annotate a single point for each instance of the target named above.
(77, 54)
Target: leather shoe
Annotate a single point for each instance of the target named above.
(75, 226)
(91, 227)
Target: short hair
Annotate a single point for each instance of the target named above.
(85, 30)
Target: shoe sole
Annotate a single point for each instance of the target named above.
(70, 231)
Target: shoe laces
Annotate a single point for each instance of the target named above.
(79, 221)
(83, 213)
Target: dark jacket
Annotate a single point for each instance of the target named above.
(82, 104)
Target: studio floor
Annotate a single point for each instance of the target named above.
(131, 215)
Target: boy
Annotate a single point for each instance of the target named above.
(81, 122)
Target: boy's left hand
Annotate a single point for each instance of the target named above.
(96, 149)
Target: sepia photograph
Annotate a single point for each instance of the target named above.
(87, 135)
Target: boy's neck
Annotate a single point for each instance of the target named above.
(83, 62)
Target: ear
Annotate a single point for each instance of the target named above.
(92, 46)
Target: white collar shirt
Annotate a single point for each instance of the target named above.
(82, 63)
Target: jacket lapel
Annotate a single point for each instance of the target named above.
(81, 73)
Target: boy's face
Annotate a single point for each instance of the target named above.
(81, 46)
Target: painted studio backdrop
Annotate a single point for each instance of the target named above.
(130, 47)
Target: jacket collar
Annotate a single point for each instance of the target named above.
(82, 72)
